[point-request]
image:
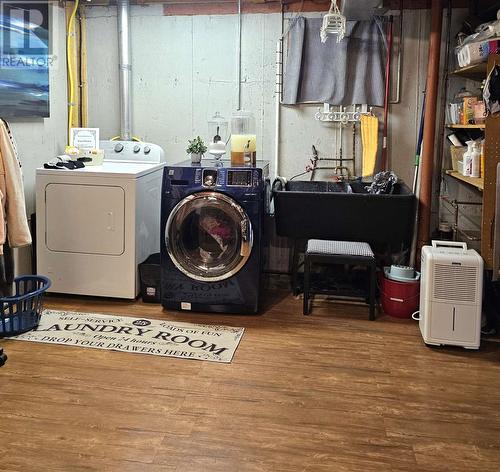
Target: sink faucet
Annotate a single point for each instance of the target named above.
(340, 174)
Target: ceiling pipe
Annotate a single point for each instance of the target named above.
(125, 69)
(427, 163)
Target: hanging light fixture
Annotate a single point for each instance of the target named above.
(334, 22)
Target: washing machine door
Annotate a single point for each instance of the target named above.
(209, 236)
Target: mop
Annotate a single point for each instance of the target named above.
(369, 139)
(419, 147)
(416, 184)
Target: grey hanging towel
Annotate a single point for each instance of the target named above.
(345, 73)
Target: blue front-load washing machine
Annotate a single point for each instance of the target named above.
(212, 222)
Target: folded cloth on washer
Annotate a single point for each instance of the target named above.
(13, 219)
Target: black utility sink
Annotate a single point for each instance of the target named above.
(325, 210)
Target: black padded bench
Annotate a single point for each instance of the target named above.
(320, 251)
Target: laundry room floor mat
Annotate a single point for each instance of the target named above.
(137, 335)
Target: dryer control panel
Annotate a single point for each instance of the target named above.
(132, 152)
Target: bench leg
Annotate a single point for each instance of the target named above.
(373, 275)
(307, 273)
(295, 267)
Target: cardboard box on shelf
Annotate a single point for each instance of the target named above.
(468, 113)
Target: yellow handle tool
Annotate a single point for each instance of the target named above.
(369, 139)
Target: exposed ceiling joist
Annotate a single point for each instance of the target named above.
(200, 7)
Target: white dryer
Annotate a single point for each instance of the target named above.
(96, 224)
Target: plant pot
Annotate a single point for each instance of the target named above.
(196, 158)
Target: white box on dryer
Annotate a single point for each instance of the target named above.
(451, 293)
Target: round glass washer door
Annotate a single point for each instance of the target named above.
(209, 236)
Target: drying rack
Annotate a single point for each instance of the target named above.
(343, 114)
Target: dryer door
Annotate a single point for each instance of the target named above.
(209, 236)
(85, 219)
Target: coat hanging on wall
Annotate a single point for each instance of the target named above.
(14, 229)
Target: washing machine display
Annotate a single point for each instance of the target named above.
(209, 236)
(239, 178)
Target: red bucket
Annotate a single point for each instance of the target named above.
(399, 299)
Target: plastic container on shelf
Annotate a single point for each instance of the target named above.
(457, 154)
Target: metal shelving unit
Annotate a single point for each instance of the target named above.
(476, 182)
(474, 72)
(487, 183)
(458, 126)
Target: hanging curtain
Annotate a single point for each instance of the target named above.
(345, 73)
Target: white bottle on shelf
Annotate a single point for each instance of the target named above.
(467, 171)
(476, 161)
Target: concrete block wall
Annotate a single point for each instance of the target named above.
(184, 70)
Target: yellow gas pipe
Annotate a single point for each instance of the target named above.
(71, 68)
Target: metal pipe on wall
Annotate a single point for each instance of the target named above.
(125, 69)
(84, 116)
(427, 164)
(397, 100)
(279, 78)
(238, 60)
(278, 91)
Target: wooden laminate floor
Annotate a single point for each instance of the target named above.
(330, 392)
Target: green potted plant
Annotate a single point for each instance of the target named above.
(196, 148)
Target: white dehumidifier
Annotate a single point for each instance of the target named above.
(451, 293)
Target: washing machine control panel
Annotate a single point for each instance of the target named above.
(211, 178)
(219, 177)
